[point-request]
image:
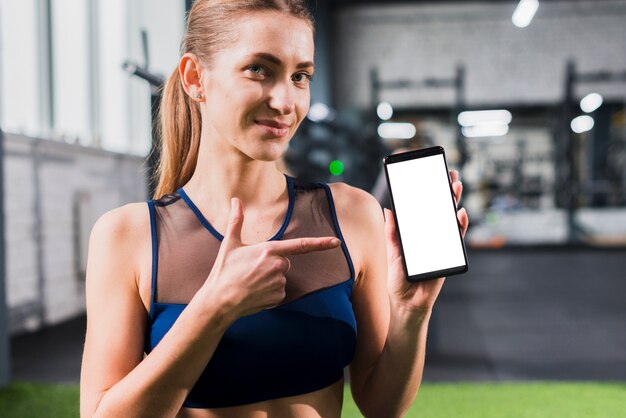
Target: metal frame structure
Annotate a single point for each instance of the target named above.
(156, 82)
(568, 175)
(457, 83)
(5, 363)
(4, 319)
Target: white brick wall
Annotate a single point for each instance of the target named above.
(105, 180)
(504, 64)
(21, 251)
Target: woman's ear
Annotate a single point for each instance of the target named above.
(190, 69)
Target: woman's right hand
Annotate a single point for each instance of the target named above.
(248, 278)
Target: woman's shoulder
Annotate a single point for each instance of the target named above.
(123, 222)
(121, 232)
(355, 204)
(362, 223)
(120, 243)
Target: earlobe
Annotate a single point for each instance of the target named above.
(190, 70)
(195, 93)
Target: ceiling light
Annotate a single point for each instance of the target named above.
(524, 12)
(384, 111)
(319, 112)
(590, 102)
(582, 124)
(485, 117)
(396, 130)
(485, 130)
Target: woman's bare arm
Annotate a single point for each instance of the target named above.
(387, 368)
(116, 381)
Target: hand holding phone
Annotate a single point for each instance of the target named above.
(422, 199)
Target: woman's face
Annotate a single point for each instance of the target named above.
(257, 88)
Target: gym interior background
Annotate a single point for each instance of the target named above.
(532, 113)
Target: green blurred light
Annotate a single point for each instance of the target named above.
(336, 168)
(492, 218)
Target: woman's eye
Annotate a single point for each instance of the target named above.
(302, 77)
(257, 69)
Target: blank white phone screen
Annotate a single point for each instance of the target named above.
(425, 215)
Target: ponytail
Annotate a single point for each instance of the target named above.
(179, 129)
(209, 27)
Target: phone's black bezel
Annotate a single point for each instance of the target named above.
(411, 155)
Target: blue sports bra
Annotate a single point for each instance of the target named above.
(298, 347)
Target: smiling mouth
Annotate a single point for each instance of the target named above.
(272, 127)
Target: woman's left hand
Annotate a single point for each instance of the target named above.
(419, 296)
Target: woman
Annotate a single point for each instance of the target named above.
(238, 291)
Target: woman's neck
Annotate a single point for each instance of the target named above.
(223, 174)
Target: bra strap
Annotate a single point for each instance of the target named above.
(333, 214)
(155, 254)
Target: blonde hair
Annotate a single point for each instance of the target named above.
(180, 121)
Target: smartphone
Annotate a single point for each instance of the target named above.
(425, 212)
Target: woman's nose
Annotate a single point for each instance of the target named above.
(281, 98)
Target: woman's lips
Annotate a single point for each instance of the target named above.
(273, 127)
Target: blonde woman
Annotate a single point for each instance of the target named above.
(239, 291)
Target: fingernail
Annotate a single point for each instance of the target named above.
(336, 241)
(233, 203)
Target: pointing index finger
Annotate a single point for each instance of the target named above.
(303, 245)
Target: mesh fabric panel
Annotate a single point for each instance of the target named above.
(187, 247)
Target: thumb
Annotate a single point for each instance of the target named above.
(393, 247)
(235, 222)
(390, 225)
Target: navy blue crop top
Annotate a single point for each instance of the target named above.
(298, 347)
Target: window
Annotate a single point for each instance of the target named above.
(61, 68)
